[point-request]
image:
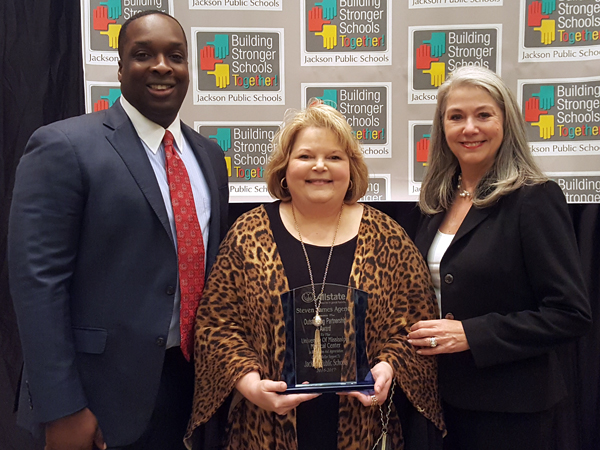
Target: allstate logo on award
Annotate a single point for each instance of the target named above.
(307, 297)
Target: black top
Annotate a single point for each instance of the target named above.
(316, 420)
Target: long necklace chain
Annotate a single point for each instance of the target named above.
(462, 192)
(317, 319)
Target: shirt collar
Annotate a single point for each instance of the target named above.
(152, 133)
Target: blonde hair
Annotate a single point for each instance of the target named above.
(319, 115)
(513, 166)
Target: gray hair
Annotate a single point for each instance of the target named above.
(513, 165)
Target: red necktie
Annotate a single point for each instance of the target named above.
(190, 246)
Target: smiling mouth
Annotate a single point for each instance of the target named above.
(319, 181)
(160, 87)
(472, 144)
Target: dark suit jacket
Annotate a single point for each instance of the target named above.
(512, 275)
(93, 269)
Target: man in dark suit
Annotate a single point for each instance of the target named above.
(93, 256)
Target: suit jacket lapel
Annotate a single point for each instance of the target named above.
(431, 225)
(474, 217)
(123, 137)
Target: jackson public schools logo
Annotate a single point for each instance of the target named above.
(419, 132)
(102, 21)
(101, 95)
(254, 5)
(346, 32)
(435, 52)
(366, 107)
(247, 148)
(417, 4)
(241, 66)
(560, 30)
(563, 115)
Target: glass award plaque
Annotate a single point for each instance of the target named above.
(343, 349)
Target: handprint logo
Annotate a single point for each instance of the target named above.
(101, 20)
(546, 125)
(535, 15)
(228, 163)
(547, 31)
(223, 138)
(319, 22)
(221, 74)
(546, 96)
(424, 58)
(315, 20)
(437, 71)
(427, 58)
(329, 34)
(329, 97)
(438, 43)
(114, 8)
(221, 45)
(533, 111)
(537, 108)
(423, 149)
(329, 8)
(207, 58)
(113, 35)
(112, 97)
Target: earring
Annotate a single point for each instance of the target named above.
(285, 188)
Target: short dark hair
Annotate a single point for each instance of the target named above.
(148, 12)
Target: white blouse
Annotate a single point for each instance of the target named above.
(440, 244)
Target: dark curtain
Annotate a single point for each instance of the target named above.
(42, 81)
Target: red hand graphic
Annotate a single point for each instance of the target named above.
(207, 58)
(534, 16)
(422, 150)
(100, 105)
(532, 110)
(101, 19)
(315, 19)
(424, 58)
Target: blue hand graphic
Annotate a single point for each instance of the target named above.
(112, 97)
(114, 8)
(221, 44)
(546, 96)
(548, 6)
(438, 44)
(223, 138)
(329, 97)
(329, 8)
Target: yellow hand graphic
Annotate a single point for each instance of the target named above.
(221, 74)
(546, 125)
(329, 34)
(438, 73)
(113, 35)
(547, 31)
(228, 162)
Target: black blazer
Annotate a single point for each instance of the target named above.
(93, 269)
(512, 275)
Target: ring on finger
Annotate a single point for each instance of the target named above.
(433, 342)
(374, 401)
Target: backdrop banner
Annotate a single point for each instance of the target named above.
(251, 60)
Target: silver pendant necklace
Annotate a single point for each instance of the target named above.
(317, 320)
